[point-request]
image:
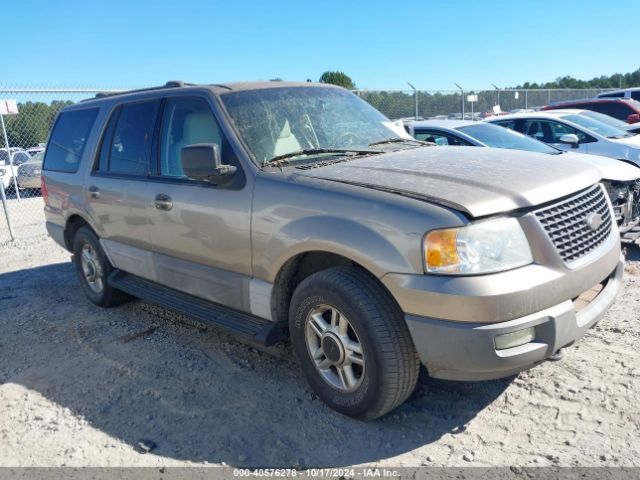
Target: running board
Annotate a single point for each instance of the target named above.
(250, 327)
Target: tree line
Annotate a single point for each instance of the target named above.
(31, 126)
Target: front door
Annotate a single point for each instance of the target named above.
(200, 232)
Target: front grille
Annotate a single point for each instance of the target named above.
(566, 223)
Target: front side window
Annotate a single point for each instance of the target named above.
(186, 121)
(68, 139)
(127, 139)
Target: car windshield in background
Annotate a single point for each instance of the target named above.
(500, 137)
(275, 122)
(601, 117)
(597, 126)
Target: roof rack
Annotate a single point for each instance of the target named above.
(169, 84)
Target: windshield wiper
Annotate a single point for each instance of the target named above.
(399, 140)
(317, 151)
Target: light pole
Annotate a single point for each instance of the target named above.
(461, 99)
(415, 98)
(498, 89)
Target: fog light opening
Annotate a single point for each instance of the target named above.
(515, 339)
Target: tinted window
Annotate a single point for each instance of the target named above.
(511, 124)
(439, 138)
(611, 95)
(616, 110)
(595, 126)
(548, 131)
(68, 140)
(127, 140)
(186, 121)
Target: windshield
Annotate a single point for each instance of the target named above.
(282, 120)
(502, 137)
(601, 117)
(597, 126)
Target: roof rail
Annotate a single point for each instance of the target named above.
(169, 84)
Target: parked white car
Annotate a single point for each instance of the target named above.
(9, 165)
(621, 179)
(570, 131)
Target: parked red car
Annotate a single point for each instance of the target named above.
(625, 109)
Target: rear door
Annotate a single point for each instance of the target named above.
(116, 191)
(200, 232)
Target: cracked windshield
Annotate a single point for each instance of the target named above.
(280, 122)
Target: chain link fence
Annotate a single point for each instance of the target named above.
(474, 104)
(27, 132)
(21, 163)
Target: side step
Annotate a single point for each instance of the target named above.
(242, 324)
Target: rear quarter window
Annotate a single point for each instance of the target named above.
(68, 139)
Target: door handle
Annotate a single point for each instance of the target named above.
(94, 192)
(163, 202)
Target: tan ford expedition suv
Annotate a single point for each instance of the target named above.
(283, 209)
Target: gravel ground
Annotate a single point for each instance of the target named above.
(84, 386)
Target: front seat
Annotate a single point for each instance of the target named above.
(286, 142)
(199, 127)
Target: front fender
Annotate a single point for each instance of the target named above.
(346, 237)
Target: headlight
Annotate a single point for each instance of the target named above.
(483, 247)
(2, 172)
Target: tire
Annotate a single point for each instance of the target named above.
(375, 325)
(99, 291)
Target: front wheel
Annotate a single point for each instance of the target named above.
(352, 342)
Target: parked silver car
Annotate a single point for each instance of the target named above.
(568, 130)
(621, 179)
(29, 172)
(282, 209)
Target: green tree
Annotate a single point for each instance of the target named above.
(337, 78)
(32, 124)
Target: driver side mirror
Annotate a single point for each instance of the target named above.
(202, 161)
(570, 139)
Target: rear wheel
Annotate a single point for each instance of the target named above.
(93, 269)
(352, 342)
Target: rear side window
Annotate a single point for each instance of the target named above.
(617, 110)
(68, 139)
(127, 139)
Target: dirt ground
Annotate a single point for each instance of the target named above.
(84, 386)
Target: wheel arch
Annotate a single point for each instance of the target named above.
(301, 266)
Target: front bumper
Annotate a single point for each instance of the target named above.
(466, 351)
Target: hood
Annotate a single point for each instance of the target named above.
(477, 181)
(610, 168)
